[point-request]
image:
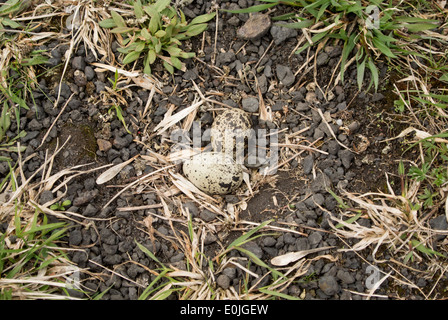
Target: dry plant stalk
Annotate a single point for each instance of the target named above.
(394, 223)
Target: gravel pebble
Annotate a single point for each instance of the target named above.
(250, 104)
(328, 285)
(285, 75)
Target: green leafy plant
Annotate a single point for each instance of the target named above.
(156, 32)
(8, 9)
(60, 206)
(367, 29)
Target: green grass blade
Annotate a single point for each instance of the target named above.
(242, 239)
(256, 8)
(257, 261)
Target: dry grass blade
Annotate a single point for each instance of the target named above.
(110, 173)
(170, 120)
(394, 223)
(287, 258)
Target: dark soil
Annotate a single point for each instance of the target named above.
(294, 198)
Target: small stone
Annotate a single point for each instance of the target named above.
(314, 238)
(207, 215)
(89, 73)
(210, 238)
(302, 106)
(345, 276)
(78, 63)
(333, 147)
(225, 58)
(250, 104)
(80, 78)
(90, 210)
(223, 281)
(328, 285)
(112, 259)
(75, 238)
(46, 196)
(353, 127)
(255, 27)
(321, 183)
(269, 241)
(280, 34)
(65, 91)
(322, 58)
(121, 142)
(34, 125)
(308, 163)
(346, 157)
(230, 272)
(103, 145)
(85, 197)
(192, 208)
(285, 75)
(439, 223)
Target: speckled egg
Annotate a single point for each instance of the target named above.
(231, 126)
(213, 172)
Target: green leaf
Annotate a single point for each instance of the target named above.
(444, 77)
(175, 41)
(374, 71)
(154, 24)
(145, 34)
(186, 55)
(417, 27)
(348, 47)
(173, 51)
(259, 262)
(151, 11)
(242, 239)
(119, 21)
(296, 25)
(131, 57)
(66, 203)
(160, 5)
(10, 23)
(138, 9)
(168, 67)
(420, 247)
(176, 63)
(203, 18)
(196, 29)
(10, 6)
(151, 56)
(349, 221)
(149, 253)
(360, 73)
(256, 8)
(107, 23)
(158, 46)
(160, 33)
(122, 30)
(147, 68)
(140, 46)
(383, 48)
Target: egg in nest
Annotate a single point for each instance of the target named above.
(230, 130)
(213, 172)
